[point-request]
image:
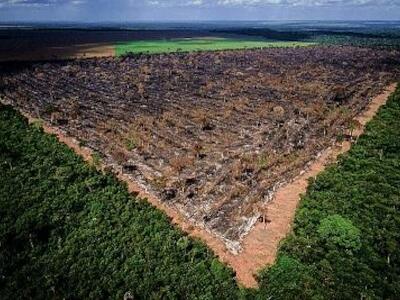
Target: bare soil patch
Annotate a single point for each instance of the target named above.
(211, 137)
(55, 44)
(261, 244)
(59, 52)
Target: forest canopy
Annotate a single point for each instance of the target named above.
(68, 231)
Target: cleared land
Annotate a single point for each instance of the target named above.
(96, 231)
(53, 44)
(68, 231)
(48, 44)
(199, 44)
(210, 134)
(345, 239)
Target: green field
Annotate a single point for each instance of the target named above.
(70, 232)
(198, 44)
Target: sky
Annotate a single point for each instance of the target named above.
(197, 10)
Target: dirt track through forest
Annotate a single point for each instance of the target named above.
(261, 244)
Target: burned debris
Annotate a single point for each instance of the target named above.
(213, 133)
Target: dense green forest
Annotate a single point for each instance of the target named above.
(68, 231)
(387, 38)
(346, 237)
(383, 41)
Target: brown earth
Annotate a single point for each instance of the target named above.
(211, 134)
(59, 53)
(53, 44)
(211, 137)
(261, 244)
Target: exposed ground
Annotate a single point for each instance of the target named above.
(60, 53)
(54, 44)
(18, 46)
(62, 221)
(212, 135)
(260, 246)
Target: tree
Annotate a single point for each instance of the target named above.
(337, 231)
(288, 279)
(354, 125)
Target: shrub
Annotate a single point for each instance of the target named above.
(338, 231)
(288, 278)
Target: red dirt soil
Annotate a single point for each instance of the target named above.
(261, 244)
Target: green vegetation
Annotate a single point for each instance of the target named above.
(392, 42)
(346, 237)
(387, 38)
(96, 160)
(199, 44)
(68, 231)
